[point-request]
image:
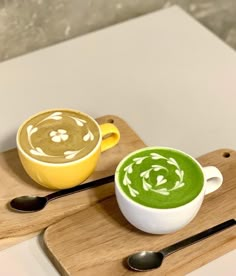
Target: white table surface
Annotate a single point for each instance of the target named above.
(171, 79)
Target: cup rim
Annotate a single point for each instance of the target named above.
(124, 195)
(51, 163)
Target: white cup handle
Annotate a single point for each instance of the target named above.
(213, 178)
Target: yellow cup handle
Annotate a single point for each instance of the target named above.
(110, 136)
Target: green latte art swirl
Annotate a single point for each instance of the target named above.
(160, 178)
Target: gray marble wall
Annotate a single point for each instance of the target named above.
(28, 25)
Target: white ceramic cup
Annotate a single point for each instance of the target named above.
(163, 221)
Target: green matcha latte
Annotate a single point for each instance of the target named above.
(160, 177)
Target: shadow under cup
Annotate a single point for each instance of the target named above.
(148, 181)
(60, 148)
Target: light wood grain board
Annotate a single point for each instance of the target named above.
(16, 227)
(97, 240)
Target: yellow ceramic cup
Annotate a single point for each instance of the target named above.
(60, 148)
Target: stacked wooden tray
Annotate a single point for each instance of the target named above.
(86, 232)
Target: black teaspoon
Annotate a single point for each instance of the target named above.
(147, 260)
(36, 203)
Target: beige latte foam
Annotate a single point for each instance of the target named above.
(59, 136)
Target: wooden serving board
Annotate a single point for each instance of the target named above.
(96, 241)
(15, 227)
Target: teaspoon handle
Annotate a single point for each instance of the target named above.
(80, 188)
(198, 237)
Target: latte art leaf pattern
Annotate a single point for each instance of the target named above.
(172, 161)
(160, 178)
(146, 185)
(145, 174)
(139, 160)
(156, 156)
(157, 168)
(162, 191)
(59, 135)
(54, 116)
(71, 153)
(133, 192)
(88, 136)
(129, 168)
(31, 129)
(126, 180)
(38, 151)
(78, 121)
